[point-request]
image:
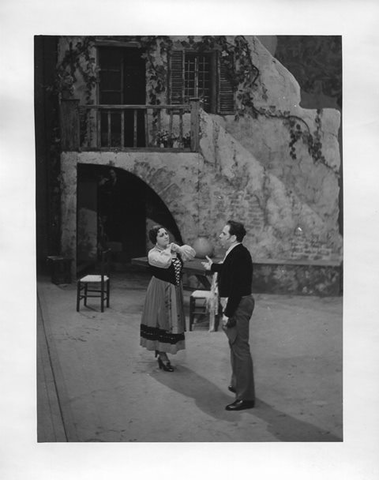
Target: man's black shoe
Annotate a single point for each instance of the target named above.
(240, 405)
(231, 389)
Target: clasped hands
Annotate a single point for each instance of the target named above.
(187, 252)
(174, 247)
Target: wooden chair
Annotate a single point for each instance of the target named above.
(205, 302)
(96, 285)
(198, 305)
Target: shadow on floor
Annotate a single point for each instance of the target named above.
(212, 401)
(207, 396)
(289, 429)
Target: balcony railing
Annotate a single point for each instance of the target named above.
(129, 127)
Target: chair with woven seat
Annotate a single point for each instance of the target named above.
(96, 285)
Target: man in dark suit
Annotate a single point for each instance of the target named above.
(235, 275)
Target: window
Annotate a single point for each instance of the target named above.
(198, 78)
(122, 82)
(122, 76)
(201, 75)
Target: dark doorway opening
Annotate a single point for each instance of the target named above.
(122, 82)
(116, 209)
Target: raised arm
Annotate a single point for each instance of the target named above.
(160, 258)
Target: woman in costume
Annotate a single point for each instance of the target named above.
(163, 319)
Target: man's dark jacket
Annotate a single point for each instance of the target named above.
(235, 276)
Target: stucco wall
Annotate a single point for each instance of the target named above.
(234, 184)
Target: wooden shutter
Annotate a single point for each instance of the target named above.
(225, 104)
(177, 77)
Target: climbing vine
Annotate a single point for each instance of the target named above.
(243, 76)
(77, 59)
(156, 72)
(238, 65)
(239, 68)
(299, 130)
(313, 141)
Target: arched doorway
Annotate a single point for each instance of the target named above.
(116, 208)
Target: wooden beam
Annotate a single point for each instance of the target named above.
(70, 125)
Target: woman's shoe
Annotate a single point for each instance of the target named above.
(167, 367)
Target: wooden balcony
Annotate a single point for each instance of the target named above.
(129, 127)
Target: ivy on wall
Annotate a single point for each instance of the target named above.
(316, 63)
(156, 72)
(313, 141)
(243, 75)
(241, 71)
(77, 59)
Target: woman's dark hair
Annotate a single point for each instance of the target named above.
(153, 233)
(237, 229)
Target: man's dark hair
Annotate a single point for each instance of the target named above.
(237, 229)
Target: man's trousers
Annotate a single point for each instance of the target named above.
(240, 357)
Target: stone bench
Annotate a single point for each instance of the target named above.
(298, 277)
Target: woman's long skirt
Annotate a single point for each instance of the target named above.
(163, 319)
